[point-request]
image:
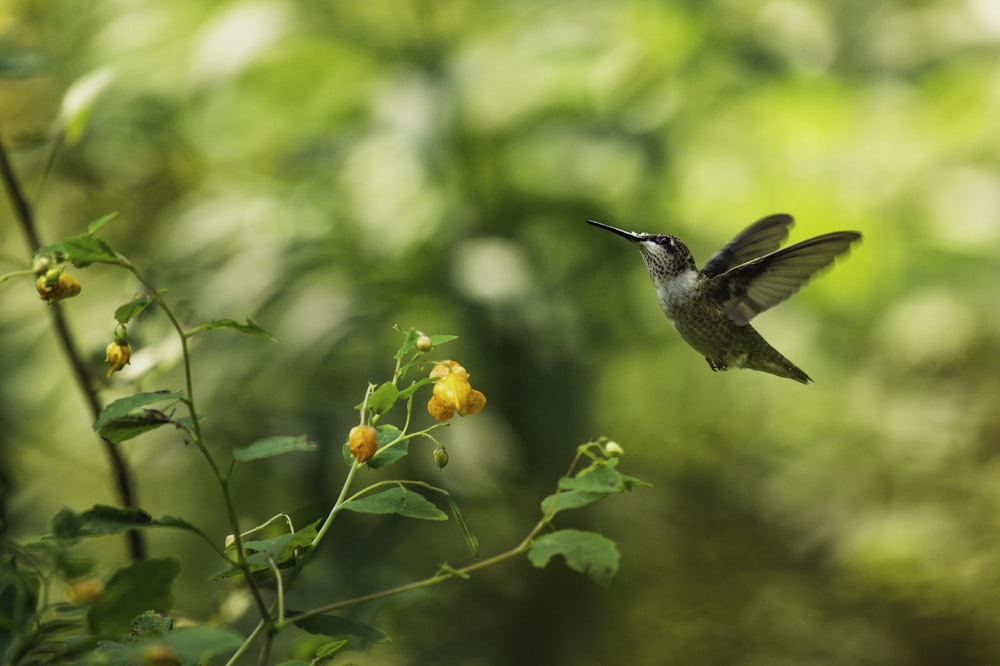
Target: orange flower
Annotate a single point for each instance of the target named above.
(453, 392)
(117, 355)
(363, 442)
(55, 286)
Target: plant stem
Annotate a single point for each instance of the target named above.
(121, 475)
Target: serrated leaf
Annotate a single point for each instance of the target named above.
(273, 446)
(83, 251)
(280, 549)
(604, 479)
(397, 500)
(409, 342)
(119, 408)
(138, 587)
(133, 424)
(383, 398)
(250, 327)
(569, 499)
(95, 226)
(441, 339)
(412, 388)
(191, 645)
(385, 435)
(586, 552)
(126, 313)
(336, 626)
(102, 520)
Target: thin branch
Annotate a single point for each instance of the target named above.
(121, 476)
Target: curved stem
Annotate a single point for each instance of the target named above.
(121, 475)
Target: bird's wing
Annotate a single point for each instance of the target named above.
(750, 288)
(763, 236)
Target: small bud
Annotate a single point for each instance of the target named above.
(613, 449)
(41, 264)
(159, 654)
(424, 343)
(230, 540)
(440, 457)
(363, 442)
(84, 590)
(117, 356)
(55, 286)
(120, 336)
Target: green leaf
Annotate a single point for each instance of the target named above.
(192, 645)
(441, 339)
(604, 479)
(78, 104)
(18, 600)
(397, 500)
(329, 649)
(282, 549)
(273, 446)
(102, 520)
(409, 342)
(382, 399)
(412, 388)
(126, 313)
(138, 587)
(336, 626)
(133, 424)
(470, 539)
(384, 436)
(586, 552)
(573, 499)
(83, 251)
(121, 407)
(589, 486)
(250, 327)
(95, 226)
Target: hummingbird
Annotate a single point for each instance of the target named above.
(711, 308)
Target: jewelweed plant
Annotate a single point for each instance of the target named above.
(125, 618)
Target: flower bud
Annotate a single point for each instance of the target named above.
(55, 286)
(85, 590)
(41, 264)
(440, 457)
(117, 356)
(613, 449)
(424, 343)
(363, 442)
(159, 654)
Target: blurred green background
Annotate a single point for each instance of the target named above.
(332, 169)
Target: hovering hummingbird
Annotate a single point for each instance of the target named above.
(711, 308)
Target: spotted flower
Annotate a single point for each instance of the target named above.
(453, 392)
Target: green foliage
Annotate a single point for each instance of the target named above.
(135, 600)
(131, 590)
(273, 446)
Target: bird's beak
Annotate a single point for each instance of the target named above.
(628, 235)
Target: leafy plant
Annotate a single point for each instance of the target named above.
(125, 618)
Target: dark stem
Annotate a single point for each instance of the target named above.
(120, 475)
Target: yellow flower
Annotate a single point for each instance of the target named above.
(85, 590)
(55, 287)
(363, 442)
(453, 392)
(117, 356)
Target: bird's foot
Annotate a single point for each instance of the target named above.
(716, 365)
